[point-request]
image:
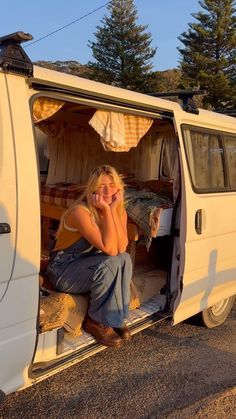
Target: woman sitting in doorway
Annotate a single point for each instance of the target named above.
(89, 256)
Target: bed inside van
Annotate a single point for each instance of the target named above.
(72, 138)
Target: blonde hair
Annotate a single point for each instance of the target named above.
(92, 186)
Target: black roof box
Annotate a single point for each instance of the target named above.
(13, 58)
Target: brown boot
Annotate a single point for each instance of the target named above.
(123, 332)
(103, 334)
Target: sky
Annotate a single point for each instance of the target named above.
(166, 20)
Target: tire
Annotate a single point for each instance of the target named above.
(217, 314)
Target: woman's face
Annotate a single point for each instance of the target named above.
(107, 188)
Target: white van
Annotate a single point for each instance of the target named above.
(180, 172)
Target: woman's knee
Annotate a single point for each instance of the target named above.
(113, 263)
(125, 260)
(108, 273)
(114, 267)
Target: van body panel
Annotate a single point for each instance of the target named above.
(53, 78)
(8, 189)
(208, 267)
(28, 228)
(20, 294)
(16, 354)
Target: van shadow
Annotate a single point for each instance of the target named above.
(212, 275)
(195, 320)
(205, 286)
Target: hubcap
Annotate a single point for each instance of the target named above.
(220, 307)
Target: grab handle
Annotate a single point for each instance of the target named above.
(198, 221)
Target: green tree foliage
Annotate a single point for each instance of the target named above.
(208, 58)
(122, 49)
(166, 81)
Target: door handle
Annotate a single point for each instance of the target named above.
(198, 221)
(4, 228)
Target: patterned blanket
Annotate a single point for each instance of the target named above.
(61, 194)
(144, 208)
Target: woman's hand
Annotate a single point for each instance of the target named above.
(98, 201)
(116, 199)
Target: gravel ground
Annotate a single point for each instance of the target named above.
(221, 405)
(165, 372)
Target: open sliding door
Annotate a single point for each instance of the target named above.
(207, 268)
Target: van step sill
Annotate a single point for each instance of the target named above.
(154, 305)
(41, 368)
(148, 314)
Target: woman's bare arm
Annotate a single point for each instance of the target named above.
(120, 221)
(121, 229)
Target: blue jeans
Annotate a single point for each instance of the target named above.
(78, 270)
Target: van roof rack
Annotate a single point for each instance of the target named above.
(229, 112)
(186, 96)
(13, 58)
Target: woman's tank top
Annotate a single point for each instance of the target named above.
(67, 236)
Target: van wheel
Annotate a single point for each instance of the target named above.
(217, 314)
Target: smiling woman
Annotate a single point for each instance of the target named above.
(107, 190)
(89, 256)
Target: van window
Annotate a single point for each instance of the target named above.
(206, 160)
(230, 146)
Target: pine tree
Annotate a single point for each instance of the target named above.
(122, 49)
(208, 59)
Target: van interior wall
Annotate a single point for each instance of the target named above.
(79, 150)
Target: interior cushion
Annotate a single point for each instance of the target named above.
(58, 309)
